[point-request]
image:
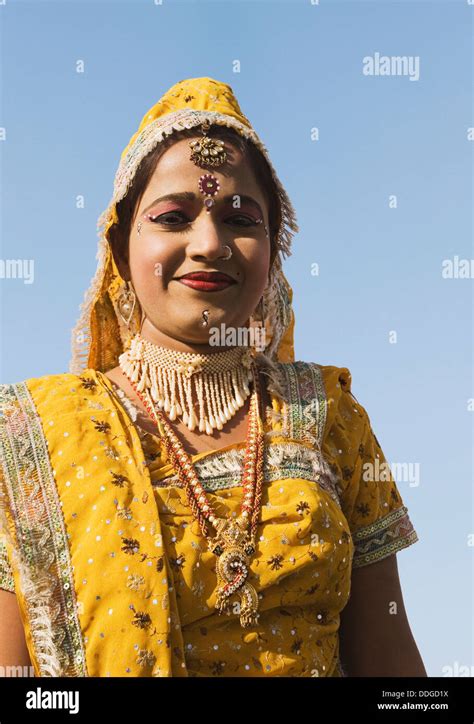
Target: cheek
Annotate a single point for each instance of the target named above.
(152, 260)
(256, 259)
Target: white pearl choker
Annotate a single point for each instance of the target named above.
(218, 382)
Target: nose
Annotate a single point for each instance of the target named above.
(206, 241)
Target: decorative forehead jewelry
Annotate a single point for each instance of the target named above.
(218, 382)
(235, 539)
(209, 186)
(229, 253)
(207, 151)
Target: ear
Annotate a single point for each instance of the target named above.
(124, 269)
(119, 253)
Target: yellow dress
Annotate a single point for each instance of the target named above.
(111, 572)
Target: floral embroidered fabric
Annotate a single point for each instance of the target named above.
(131, 580)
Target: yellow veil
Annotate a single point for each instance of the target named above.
(100, 335)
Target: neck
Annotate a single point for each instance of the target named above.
(156, 336)
(207, 390)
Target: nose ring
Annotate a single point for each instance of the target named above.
(229, 254)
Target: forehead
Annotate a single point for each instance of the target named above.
(176, 160)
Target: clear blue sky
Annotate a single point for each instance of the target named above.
(380, 268)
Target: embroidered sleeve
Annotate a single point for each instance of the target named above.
(6, 574)
(370, 499)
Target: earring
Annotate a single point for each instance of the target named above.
(141, 321)
(229, 253)
(259, 312)
(126, 302)
(260, 332)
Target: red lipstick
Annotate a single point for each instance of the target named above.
(207, 281)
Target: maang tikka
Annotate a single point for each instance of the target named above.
(207, 151)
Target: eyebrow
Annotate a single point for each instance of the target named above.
(190, 196)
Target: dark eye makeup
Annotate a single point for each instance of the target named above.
(164, 219)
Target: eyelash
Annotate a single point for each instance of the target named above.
(154, 219)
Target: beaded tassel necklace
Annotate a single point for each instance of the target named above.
(218, 381)
(235, 540)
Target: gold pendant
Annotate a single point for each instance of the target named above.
(208, 152)
(233, 549)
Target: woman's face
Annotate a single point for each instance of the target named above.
(183, 237)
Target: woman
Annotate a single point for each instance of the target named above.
(188, 501)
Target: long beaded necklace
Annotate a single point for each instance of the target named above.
(235, 539)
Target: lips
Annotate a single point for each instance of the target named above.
(207, 281)
(208, 277)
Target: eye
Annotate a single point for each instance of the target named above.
(248, 221)
(175, 218)
(162, 219)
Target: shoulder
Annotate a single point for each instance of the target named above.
(58, 379)
(333, 386)
(337, 380)
(347, 420)
(333, 381)
(315, 395)
(48, 389)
